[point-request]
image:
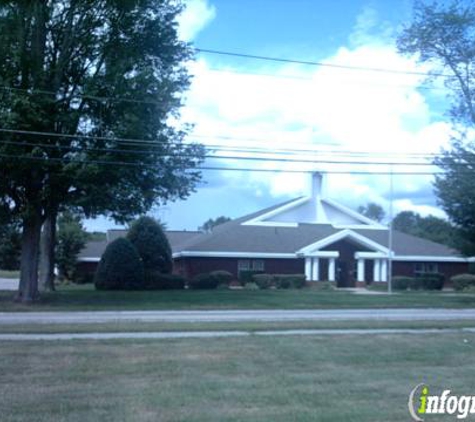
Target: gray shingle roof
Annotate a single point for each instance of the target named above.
(177, 239)
(233, 237)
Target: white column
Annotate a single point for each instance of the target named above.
(360, 275)
(331, 269)
(384, 270)
(377, 270)
(315, 269)
(308, 268)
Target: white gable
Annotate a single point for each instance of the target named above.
(315, 209)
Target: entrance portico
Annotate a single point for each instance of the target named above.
(350, 259)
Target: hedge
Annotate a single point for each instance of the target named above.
(155, 280)
(263, 281)
(434, 281)
(280, 281)
(247, 276)
(210, 280)
(463, 281)
(402, 282)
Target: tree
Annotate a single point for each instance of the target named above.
(120, 267)
(373, 211)
(211, 223)
(444, 36)
(148, 237)
(430, 227)
(70, 241)
(89, 89)
(10, 245)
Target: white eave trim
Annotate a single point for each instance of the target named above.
(259, 220)
(371, 255)
(89, 259)
(308, 250)
(429, 258)
(324, 254)
(367, 222)
(248, 255)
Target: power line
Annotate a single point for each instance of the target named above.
(214, 146)
(310, 78)
(48, 160)
(221, 157)
(320, 64)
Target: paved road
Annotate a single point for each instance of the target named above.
(7, 318)
(9, 284)
(217, 334)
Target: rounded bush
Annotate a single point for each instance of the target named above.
(402, 282)
(222, 277)
(120, 267)
(155, 280)
(152, 244)
(204, 281)
(463, 281)
(263, 281)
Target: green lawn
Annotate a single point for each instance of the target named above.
(334, 379)
(9, 274)
(77, 298)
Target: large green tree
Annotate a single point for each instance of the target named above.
(443, 35)
(373, 211)
(430, 227)
(88, 90)
(70, 240)
(211, 223)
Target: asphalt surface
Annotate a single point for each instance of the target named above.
(10, 318)
(218, 334)
(8, 284)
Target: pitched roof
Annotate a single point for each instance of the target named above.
(234, 237)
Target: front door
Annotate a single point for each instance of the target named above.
(345, 274)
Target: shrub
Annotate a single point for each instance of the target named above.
(433, 281)
(247, 276)
(263, 281)
(323, 285)
(82, 277)
(251, 286)
(401, 282)
(147, 235)
(223, 277)
(155, 280)
(204, 281)
(120, 267)
(463, 281)
(281, 281)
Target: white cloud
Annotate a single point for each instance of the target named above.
(197, 14)
(325, 108)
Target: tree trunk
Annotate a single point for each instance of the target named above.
(28, 288)
(47, 258)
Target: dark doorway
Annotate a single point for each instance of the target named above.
(344, 276)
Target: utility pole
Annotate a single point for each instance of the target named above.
(390, 240)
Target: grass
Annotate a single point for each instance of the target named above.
(350, 379)
(84, 297)
(9, 274)
(118, 327)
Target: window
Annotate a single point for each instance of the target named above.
(250, 265)
(258, 265)
(423, 268)
(244, 265)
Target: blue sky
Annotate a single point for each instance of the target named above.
(289, 106)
